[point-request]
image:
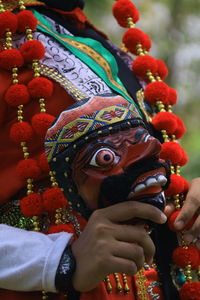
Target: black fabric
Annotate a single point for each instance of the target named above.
(66, 5)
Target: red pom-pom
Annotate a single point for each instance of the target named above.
(133, 36)
(142, 64)
(26, 19)
(17, 94)
(61, 228)
(21, 132)
(32, 50)
(124, 9)
(53, 199)
(190, 291)
(28, 168)
(162, 70)
(176, 186)
(41, 123)
(172, 219)
(165, 120)
(156, 91)
(186, 256)
(8, 21)
(172, 151)
(43, 163)
(172, 96)
(40, 87)
(180, 128)
(184, 158)
(11, 58)
(31, 205)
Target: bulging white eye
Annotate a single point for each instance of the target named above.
(104, 157)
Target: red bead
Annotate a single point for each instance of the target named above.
(21, 132)
(190, 291)
(123, 9)
(41, 123)
(8, 22)
(166, 121)
(17, 94)
(31, 205)
(156, 91)
(32, 50)
(11, 58)
(40, 87)
(26, 19)
(53, 199)
(28, 168)
(162, 70)
(132, 37)
(142, 64)
(186, 256)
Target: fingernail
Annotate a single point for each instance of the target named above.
(163, 218)
(188, 238)
(179, 224)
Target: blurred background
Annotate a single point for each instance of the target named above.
(174, 27)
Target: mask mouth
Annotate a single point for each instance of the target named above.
(144, 183)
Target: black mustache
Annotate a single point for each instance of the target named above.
(116, 188)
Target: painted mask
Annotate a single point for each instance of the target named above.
(102, 154)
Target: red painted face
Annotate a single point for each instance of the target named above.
(131, 153)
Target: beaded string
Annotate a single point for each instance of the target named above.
(162, 97)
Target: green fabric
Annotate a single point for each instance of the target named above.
(97, 47)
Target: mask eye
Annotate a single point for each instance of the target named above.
(104, 157)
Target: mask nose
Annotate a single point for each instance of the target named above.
(143, 151)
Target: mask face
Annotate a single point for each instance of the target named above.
(119, 167)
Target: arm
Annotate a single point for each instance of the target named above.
(29, 260)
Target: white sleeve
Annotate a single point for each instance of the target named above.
(29, 260)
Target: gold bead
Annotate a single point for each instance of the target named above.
(43, 110)
(29, 36)
(57, 222)
(26, 155)
(37, 74)
(54, 184)
(28, 30)
(15, 81)
(19, 118)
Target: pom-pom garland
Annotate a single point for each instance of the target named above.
(41, 122)
(172, 151)
(31, 205)
(11, 58)
(32, 50)
(186, 256)
(156, 91)
(190, 291)
(17, 94)
(53, 199)
(43, 163)
(132, 37)
(28, 168)
(172, 219)
(21, 132)
(162, 70)
(26, 20)
(8, 20)
(124, 9)
(178, 185)
(40, 87)
(165, 120)
(172, 96)
(142, 64)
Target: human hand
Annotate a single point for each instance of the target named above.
(190, 207)
(107, 246)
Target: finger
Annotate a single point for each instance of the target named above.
(132, 209)
(136, 235)
(169, 208)
(122, 265)
(194, 232)
(130, 251)
(190, 207)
